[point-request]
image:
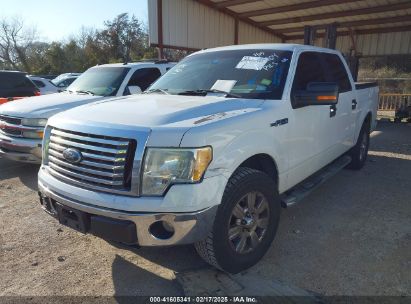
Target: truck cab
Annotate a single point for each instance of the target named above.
(22, 122)
(209, 153)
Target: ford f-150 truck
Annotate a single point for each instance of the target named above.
(22, 122)
(210, 152)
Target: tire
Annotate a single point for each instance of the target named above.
(253, 233)
(360, 151)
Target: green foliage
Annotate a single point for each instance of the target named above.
(122, 39)
(393, 73)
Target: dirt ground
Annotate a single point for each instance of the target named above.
(352, 236)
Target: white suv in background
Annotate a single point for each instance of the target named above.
(44, 85)
(22, 122)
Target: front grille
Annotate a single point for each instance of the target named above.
(10, 120)
(12, 126)
(106, 163)
(12, 132)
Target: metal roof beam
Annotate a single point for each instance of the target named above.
(246, 20)
(234, 2)
(406, 18)
(403, 28)
(361, 11)
(294, 7)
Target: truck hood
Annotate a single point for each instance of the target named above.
(47, 105)
(155, 110)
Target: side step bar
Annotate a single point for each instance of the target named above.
(301, 190)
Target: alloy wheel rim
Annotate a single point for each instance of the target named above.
(363, 146)
(248, 222)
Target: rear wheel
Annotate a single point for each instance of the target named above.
(360, 151)
(245, 223)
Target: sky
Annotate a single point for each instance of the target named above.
(58, 19)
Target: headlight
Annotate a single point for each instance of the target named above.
(45, 145)
(33, 134)
(165, 167)
(34, 122)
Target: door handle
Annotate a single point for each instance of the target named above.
(353, 104)
(333, 110)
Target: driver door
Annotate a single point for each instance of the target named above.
(308, 125)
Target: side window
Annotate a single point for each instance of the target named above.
(66, 82)
(26, 83)
(39, 83)
(337, 72)
(144, 77)
(309, 69)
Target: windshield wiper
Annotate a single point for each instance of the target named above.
(205, 91)
(164, 91)
(86, 92)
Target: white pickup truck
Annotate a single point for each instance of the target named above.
(210, 152)
(22, 122)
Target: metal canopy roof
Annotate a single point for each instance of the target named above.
(355, 27)
(286, 18)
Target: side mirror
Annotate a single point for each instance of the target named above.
(316, 94)
(134, 90)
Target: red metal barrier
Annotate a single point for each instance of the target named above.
(4, 100)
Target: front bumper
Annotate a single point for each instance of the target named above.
(20, 149)
(143, 228)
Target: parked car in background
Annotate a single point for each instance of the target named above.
(63, 82)
(211, 151)
(65, 75)
(45, 85)
(15, 85)
(47, 76)
(22, 122)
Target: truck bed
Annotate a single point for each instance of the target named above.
(364, 85)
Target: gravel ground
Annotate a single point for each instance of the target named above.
(352, 236)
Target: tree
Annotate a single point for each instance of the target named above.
(122, 39)
(15, 41)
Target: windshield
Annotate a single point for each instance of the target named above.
(253, 74)
(102, 81)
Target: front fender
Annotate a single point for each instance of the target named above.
(238, 140)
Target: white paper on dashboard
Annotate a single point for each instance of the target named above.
(223, 85)
(252, 63)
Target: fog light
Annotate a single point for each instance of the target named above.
(161, 230)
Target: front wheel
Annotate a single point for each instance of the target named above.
(245, 224)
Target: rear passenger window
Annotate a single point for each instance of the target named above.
(336, 72)
(309, 69)
(14, 81)
(39, 84)
(144, 77)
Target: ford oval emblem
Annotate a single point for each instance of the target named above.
(73, 156)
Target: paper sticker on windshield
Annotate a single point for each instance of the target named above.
(252, 63)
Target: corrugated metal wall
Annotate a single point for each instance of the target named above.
(152, 21)
(251, 34)
(189, 24)
(373, 44)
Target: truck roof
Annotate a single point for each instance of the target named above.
(276, 46)
(12, 72)
(139, 63)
